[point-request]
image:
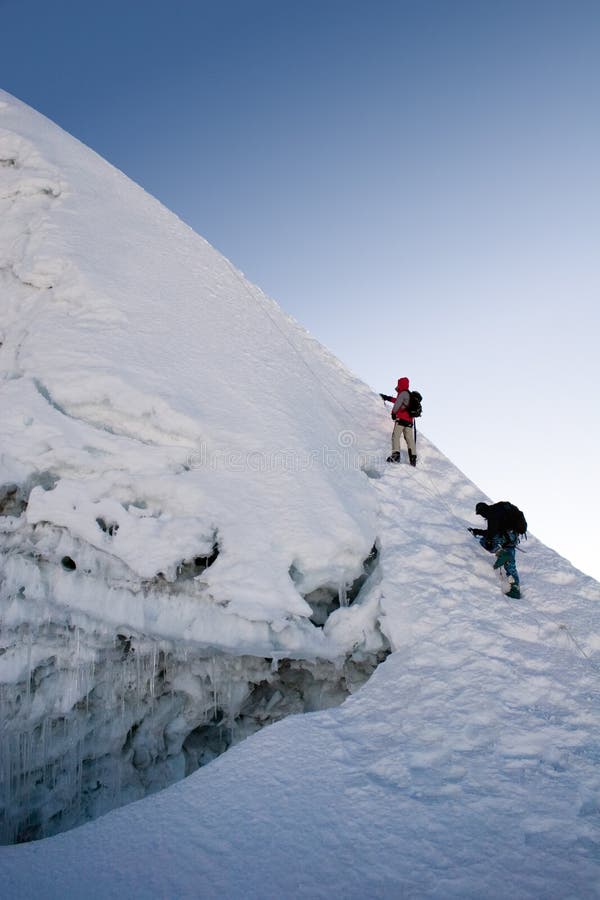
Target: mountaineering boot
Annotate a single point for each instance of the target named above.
(412, 458)
(395, 457)
(514, 593)
(503, 557)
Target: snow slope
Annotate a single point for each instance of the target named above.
(206, 467)
(138, 359)
(181, 466)
(466, 767)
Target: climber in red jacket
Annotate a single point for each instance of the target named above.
(403, 423)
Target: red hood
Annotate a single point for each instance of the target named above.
(402, 384)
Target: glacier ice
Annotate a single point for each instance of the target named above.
(92, 722)
(95, 715)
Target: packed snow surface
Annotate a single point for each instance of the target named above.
(192, 489)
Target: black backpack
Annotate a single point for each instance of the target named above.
(512, 517)
(414, 407)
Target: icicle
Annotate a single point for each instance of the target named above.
(342, 595)
(213, 683)
(153, 664)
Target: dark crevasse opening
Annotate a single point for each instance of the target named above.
(95, 717)
(14, 497)
(326, 599)
(92, 720)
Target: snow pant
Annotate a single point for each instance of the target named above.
(409, 436)
(504, 543)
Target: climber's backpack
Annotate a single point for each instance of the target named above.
(511, 517)
(414, 407)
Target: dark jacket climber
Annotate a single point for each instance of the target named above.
(403, 423)
(505, 523)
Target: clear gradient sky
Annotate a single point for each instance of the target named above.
(417, 182)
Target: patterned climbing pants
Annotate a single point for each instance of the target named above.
(504, 543)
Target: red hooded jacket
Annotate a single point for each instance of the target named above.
(399, 410)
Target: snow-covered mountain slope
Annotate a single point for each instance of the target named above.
(466, 767)
(199, 536)
(137, 359)
(183, 493)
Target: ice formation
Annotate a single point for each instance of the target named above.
(187, 526)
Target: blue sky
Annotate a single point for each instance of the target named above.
(417, 182)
